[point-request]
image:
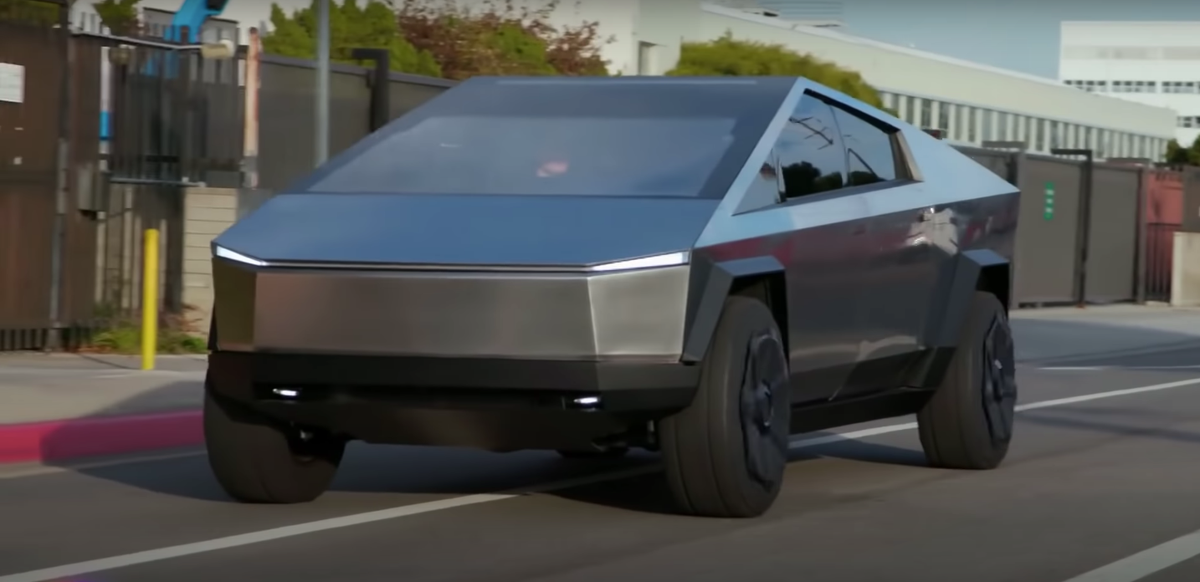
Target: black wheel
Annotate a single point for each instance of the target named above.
(607, 453)
(257, 460)
(968, 423)
(726, 453)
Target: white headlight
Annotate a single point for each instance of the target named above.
(225, 253)
(657, 261)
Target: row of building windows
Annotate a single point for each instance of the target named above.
(1190, 121)
(975, 125)
(1092, 86)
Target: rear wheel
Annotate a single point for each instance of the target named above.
(726, 453)
(259, 460)
(968, 423)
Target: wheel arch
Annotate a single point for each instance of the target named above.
(960, 278)
(212, 329)
(712, 282)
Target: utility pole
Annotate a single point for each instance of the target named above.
(322, 93)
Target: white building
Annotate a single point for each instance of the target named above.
(972, 103)
(1155, 63)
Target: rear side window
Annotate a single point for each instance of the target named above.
(870, 157)
(809, 153)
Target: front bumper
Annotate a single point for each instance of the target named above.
(487, 359)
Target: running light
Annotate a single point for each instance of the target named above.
(225, 253)
(667, 260)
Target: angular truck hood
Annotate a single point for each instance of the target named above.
(466, 230)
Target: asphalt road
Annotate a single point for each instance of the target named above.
(1104, 471)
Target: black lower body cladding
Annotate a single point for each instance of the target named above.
(483, 403)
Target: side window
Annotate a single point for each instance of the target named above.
(870, 156)
(809, 154)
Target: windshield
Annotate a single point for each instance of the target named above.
(577, 156)
(643, 139)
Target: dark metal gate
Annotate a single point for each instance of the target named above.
(176, 122)
(32, 66)
(73, 206)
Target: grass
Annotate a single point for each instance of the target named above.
(123, 335)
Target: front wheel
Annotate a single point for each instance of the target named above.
(726, 453)
(968, 423)
(258, 460)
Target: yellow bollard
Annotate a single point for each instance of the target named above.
(150, 299)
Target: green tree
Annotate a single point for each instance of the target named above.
(29, 12)
(495, 37)
(444, 38)
(727, 56)
(350, 26)
(120, 16)
(1179, 155)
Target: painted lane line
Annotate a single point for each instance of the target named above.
(1109, 394)
(1104, 368)
(157, 555)
(1147, 562)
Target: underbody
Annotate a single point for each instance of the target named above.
(501, 404)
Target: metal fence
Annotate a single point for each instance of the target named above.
(287, 146)
(80, 181)
(32, 127)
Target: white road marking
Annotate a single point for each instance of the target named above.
(1147, 562)
(157, 555)
(1103, 368)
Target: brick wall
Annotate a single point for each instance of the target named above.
(207, 213)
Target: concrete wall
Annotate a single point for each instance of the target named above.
(207, 213)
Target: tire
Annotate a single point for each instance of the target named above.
(609, 453)
(257, 460)
(726, 453)
(968, 422)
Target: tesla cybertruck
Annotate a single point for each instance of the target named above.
(698, 266)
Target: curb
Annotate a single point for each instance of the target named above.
(60, 440)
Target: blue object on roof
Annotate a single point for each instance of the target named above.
(192, 15)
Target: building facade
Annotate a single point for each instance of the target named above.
(1154, 63)
(971, 103)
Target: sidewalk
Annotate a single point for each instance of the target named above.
(61, 406)
(1063, 334)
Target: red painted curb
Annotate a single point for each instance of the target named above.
(59, 440)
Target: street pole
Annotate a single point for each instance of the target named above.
(322, 93)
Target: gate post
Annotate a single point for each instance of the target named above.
(1139, 258)
(62, 182)
(1083, 230)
